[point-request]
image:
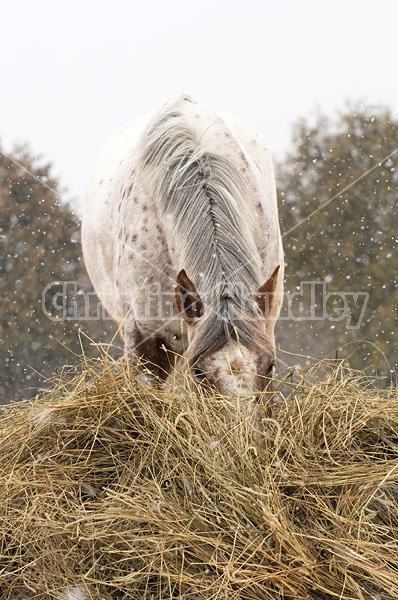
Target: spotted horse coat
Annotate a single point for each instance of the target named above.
(181, 240)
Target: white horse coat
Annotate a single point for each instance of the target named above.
(131, 245)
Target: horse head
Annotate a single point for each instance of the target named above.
(230, 342)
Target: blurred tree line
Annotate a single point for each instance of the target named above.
(338, 191)
(39, 252)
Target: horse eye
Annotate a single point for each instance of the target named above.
(271, 368)
(199, 374)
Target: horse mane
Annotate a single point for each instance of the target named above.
(202, 193)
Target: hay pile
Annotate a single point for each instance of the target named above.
(111, 490)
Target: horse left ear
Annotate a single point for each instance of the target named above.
(266, 293)
(187, 300)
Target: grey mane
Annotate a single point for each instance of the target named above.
(202, 192)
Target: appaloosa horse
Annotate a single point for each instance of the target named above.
(180, 232)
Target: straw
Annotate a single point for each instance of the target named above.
(112, 489)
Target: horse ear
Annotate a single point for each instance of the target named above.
(266, 293)
(187, 299)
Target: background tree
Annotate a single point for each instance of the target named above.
(342, 175)
(39, 244)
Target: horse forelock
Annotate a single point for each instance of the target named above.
(229, 323)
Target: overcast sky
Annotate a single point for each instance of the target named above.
(73, 72)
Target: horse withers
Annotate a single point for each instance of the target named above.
(181, 240)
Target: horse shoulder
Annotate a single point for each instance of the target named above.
(100, 221)
(251, 143)
(271, 250)
(118, 148)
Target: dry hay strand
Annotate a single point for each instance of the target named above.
(112, 489)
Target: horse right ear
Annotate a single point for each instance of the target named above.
(187, 299)
(266, 294)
